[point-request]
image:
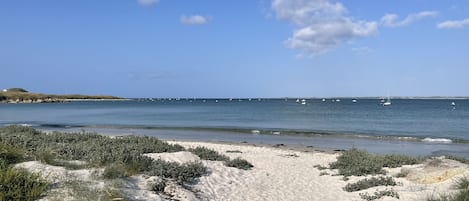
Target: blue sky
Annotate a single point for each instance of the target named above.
(245, 48)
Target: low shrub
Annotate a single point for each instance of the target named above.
(10, 154)
(462, 183)
(359, 163)
(397, 160)
(120, 156)
(379, 194)
(185, 173)
(17, 184)
(403, 173)
(461, 195)
(368, 183)
(157, 185)
(208, 154)
(239, 163)
(114, 171)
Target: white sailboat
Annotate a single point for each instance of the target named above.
(387, 102)
(303, 102)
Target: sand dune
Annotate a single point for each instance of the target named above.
(278, 174)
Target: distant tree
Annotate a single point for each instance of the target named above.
(17, 90)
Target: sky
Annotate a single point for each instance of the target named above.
(242, 48)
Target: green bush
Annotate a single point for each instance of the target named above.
(185, 173)
(17, 184)
(208, 154)
(158, 185)
(10, 154)
(95, 149)
(461, 195)
(358, 162)
(239, 163)
(121, 156)
(379, 194)
(462, 183)
(114, 171)
(397, 160)
(368, 183)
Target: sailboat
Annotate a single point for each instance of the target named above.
(303, 102)
(388, 102)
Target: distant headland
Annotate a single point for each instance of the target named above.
(20, 95)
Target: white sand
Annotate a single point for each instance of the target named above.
(278, 174)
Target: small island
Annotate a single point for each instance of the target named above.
(20, 95)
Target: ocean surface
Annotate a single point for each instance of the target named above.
(409, 126)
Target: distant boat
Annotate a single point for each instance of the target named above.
(337, 100)
(297, 100)
(453, 103)
(354, 101)
(216, 101)
(303, 102)
(323, 100)
(388, 102)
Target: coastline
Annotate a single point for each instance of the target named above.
(278, 172)
(289, 173)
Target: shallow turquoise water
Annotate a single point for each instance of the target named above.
(433, 123)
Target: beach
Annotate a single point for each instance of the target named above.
(279, 173)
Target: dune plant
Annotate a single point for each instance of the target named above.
(371, 182)
(239, 163)
(102, 151)
(208, 154)
(359, 163)
(18, 185)
(379, 194)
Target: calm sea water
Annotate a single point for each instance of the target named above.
(419, 127)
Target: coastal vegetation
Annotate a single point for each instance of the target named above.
(379, 194)
(119, 157)
(17, 184)
(371, 182)
(239, 163)
(209, 154)
(356, 162)
(462, 193)
(19, 95)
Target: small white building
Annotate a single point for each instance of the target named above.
(4, 90)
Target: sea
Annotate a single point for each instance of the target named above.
(424, 127)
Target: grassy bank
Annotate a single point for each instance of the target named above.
(23, 96)
(119, 157)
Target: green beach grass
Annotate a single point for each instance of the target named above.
(120, 157)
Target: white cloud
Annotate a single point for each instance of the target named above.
(456, 24)
(194, 20)
(320, 25)
(391, 20)
(147, 2)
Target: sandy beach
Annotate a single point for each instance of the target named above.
(278, 174)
